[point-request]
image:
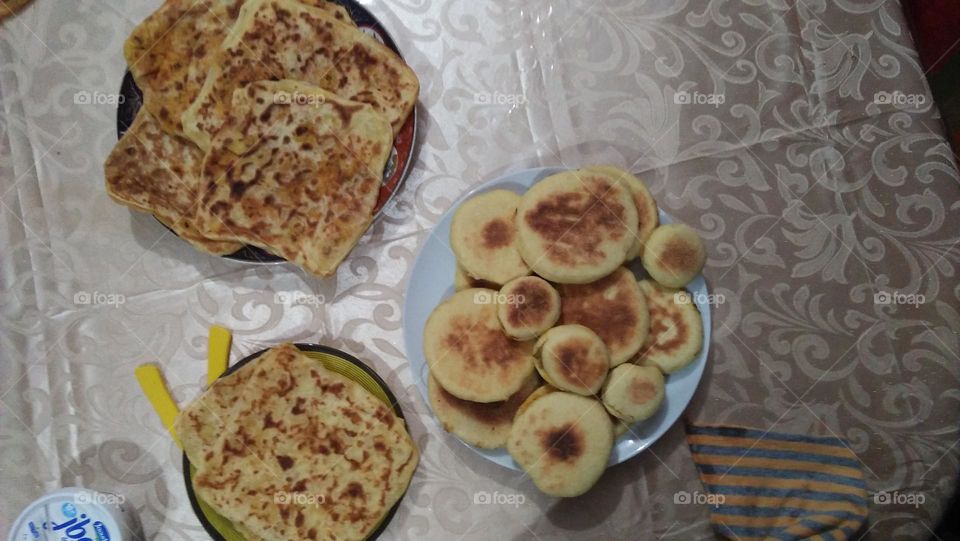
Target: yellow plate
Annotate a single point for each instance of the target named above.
(221, 529)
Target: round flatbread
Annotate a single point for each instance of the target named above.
(633, 393)
(541, 392)
(614, 308)
(483, 425)
(674, 255)
(468, 352)
(483, 236)
(676, 329)
(576, 227)
(527, 307)
(462, 280)
(647, 215)
(563, 442)
(572, 358)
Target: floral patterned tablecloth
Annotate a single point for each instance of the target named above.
(799, 138)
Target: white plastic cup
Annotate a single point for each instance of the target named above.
(77, 514)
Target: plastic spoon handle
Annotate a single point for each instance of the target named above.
(151, 381)
(218, 352)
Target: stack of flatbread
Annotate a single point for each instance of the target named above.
(264, 122)
(286, 449)
(550, 346)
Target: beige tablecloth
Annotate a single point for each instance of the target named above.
(799, 138)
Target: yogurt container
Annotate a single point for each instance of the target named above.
(77, 514)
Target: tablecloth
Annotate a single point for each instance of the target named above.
(798, 137)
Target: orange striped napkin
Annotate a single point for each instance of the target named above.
(767, 485)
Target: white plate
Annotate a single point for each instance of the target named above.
(431, 281)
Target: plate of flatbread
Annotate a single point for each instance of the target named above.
(538, 284)
(264, 130)
(296, 442)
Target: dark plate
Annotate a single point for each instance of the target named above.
(335, 360)
(398, 165)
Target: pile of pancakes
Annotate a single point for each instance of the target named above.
(264, 122)
(286, 449)
(550, 346)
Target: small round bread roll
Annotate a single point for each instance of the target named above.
(572, 358)
(633, 393)
(563, 442)
(676, 328)
(485, 425)
(674, 255)
(527, 307)
(483, 236)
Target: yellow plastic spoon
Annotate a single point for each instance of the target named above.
(151, 381)
(218, 352)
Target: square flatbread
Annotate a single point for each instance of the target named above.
(296, 170)
(285, 39)
(304, 453)
(170, 52)
(152, 171)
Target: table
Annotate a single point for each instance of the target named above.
(799, 138)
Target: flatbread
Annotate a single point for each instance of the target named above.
(307, 453)
(633, 393)
(468, 352)
(572, 358)
(285, 39)
(647, 214)
(614, 308)
(576, 227)
(527, 307)
(484, 238)
(300, 179)
(483, 425)
(170, 52)
(676, 328)
(674, 255)
(151, 171)
(563, 442)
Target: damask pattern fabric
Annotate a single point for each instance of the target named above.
(789, 134)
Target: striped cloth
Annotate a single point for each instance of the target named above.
(765, 485)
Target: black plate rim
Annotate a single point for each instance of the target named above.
(318, 348)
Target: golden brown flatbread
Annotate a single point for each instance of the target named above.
(304, 454)
(152, 171)
(285, 39)
(170, 52)
(298, 178)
